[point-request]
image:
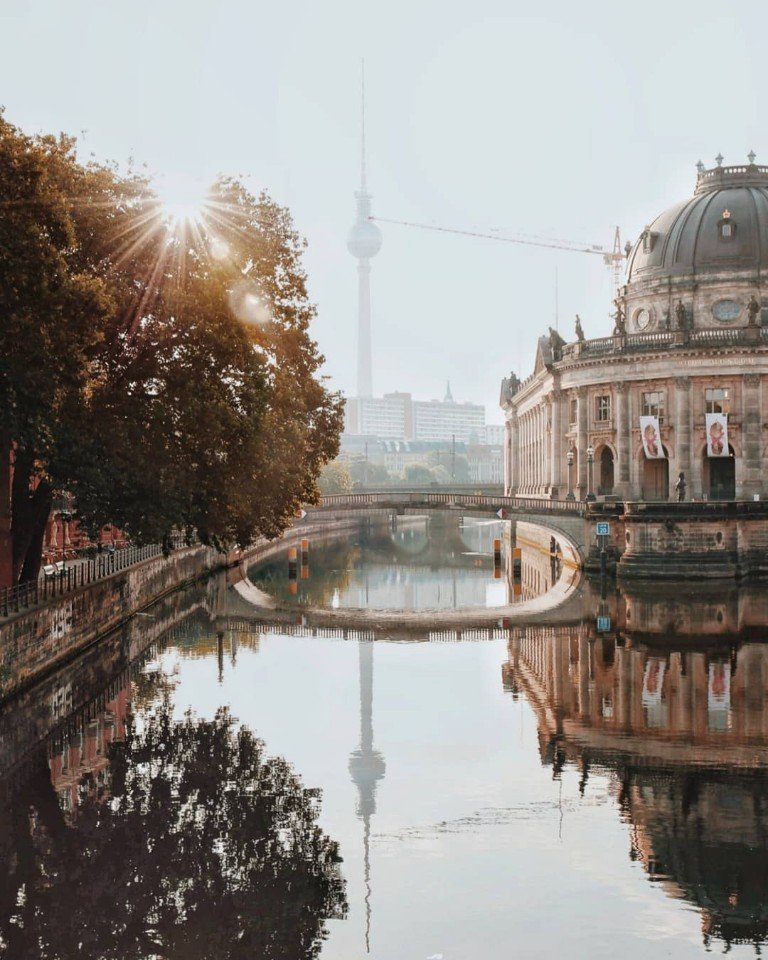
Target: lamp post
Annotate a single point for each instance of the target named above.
(570, 457)
(590, 461)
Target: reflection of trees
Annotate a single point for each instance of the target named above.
(197, 846)
(330, 567)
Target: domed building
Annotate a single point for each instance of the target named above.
(688, 354)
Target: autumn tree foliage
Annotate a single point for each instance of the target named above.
(161, 371)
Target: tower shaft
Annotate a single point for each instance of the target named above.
(364, 357)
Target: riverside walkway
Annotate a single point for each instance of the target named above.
(74, 575)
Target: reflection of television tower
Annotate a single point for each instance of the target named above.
(366, 766)
(364, 242)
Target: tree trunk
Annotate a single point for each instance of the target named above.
(29, 512)
(30, 569)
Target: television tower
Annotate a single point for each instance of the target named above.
(363, 242)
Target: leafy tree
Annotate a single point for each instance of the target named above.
(367, 474)
(161, 372)
(416, 473)
(440, 474)
(197, 846)
(335, 478)
(461, 470)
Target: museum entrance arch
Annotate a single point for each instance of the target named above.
(654, 478)
(606, 473)
(718, 476)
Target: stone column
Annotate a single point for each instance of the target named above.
(751, 432)
(683, 431)
(623, 444)
(512, 462)
(523, 478)
(555, 445)
(582, 442)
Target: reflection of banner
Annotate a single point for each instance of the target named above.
(653, 680)
(719, 696)
(719, 688)
(649, 431)
(717, 435)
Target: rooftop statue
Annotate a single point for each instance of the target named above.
(681, 316)
(620, 325)
(579, 330)
(753, 310)
(509, 387)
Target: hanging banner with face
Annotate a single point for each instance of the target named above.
(717, 435)
(649, 431)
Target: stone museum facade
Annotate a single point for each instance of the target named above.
(688, 340)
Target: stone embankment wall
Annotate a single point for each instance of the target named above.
(36, 641)
(684, 541)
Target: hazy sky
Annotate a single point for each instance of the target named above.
(561, 119)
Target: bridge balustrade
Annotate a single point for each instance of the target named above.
(447, 498)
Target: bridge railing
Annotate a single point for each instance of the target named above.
(451, 499)
(77, 574)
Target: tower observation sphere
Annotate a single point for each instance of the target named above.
(364, 240)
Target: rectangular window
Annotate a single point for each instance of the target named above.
(574, 410)
(653, 404)
(602, 409)
(717, 400)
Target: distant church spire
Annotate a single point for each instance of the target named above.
(364, 242)
(448, 398)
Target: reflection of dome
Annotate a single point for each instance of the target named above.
(364, 240)
(723, 227)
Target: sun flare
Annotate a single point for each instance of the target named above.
(182, 198)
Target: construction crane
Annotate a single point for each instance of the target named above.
(613, 258)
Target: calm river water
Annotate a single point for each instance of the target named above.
(592, 783)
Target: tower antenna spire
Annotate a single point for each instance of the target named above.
(363, 242)
(363, 178)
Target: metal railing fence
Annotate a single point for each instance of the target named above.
(76, 574)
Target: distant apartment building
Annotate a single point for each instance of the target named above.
(389, 417)
(445, 420)
(397, 416)
(486, 463)
(399, 454)
(494, 433)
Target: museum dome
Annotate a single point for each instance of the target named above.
(723, 228)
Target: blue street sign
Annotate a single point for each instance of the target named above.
(603, 624)
(603, 528)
